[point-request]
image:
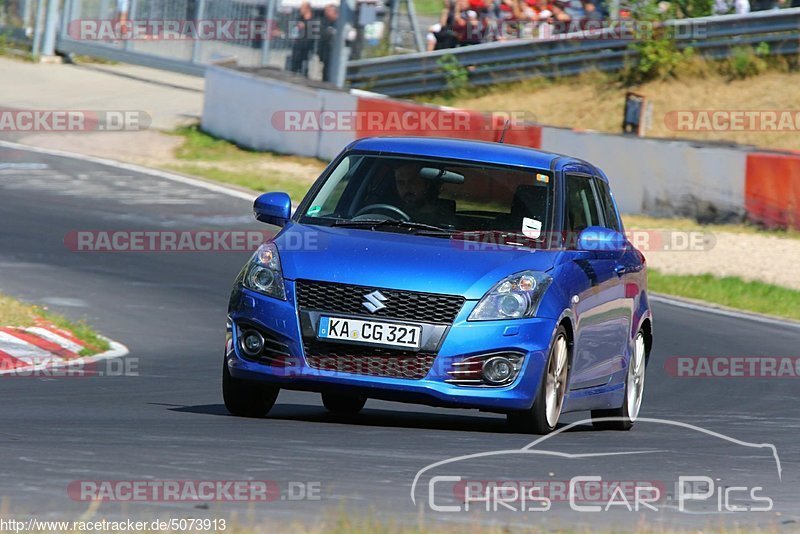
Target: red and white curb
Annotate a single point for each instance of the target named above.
(24, 351)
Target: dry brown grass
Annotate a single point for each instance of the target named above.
(595, 102)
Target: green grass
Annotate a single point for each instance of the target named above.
(219, 160)
(645, 222)
(429, 7)
(729, 291)
(275, 181)
(201, 146)
(16, 313)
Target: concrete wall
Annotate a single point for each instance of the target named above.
(252, 111)
(660, 177)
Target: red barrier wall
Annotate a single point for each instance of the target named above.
(772, 189)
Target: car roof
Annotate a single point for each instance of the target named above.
(463, 149)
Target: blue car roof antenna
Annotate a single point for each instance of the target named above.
(505, 129)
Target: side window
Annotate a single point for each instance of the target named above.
(609, 210)
(582, 204)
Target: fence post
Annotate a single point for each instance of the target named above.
(198, 16)
(339, 53)
(38, 30)
(26, 15)
(267, 43)
(51, 23)
(131, 16)
(66, 18)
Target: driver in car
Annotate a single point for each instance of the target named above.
(418, 197)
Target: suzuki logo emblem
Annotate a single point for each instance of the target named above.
(375, 301)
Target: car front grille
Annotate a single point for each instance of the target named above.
(403, 305)
(365, 360)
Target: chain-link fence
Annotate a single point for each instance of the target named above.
(295, 35)
(18, 20)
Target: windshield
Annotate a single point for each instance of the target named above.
(427, 195)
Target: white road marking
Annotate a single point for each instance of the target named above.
(23, 166)
(194, 182)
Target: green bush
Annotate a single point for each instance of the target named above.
(745, 62)
(457, 76)
(694, 8)
(658, 54)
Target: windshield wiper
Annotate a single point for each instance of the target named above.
(498, 237)
(422, 228)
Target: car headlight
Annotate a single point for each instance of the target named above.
(264, 273)
(515, 297)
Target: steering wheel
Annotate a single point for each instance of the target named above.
(385, 207)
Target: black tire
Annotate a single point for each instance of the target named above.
(244, 398)
(534, 420)
(622, 420)
(343, 404)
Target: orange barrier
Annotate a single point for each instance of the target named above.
(772, 189)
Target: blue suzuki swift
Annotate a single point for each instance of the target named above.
(450, 273)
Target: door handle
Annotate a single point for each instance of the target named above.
(620, 270)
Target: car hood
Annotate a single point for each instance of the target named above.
(401, 261)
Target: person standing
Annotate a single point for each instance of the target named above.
(327, 40)
(302, 31)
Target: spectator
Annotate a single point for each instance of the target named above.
(123, 7)
(302, 35)
(431, 37)
(721, 7)
(472, 29)
(592, 17)
(447, 37)
(327, 40)
(573, 9)
(766, 5)
(479, 6)
(742, 7)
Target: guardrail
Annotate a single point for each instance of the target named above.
(569, 54)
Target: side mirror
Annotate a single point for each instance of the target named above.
(600, 239)
(273, 208)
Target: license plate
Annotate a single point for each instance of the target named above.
(374, 332)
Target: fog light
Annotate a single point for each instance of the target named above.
(251, 343)
(498, 370)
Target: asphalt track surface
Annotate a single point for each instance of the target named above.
(168, 422)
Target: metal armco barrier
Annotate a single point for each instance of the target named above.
(569, 54)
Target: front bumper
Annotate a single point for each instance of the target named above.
(530, 337)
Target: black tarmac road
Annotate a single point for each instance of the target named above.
(164, 420)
